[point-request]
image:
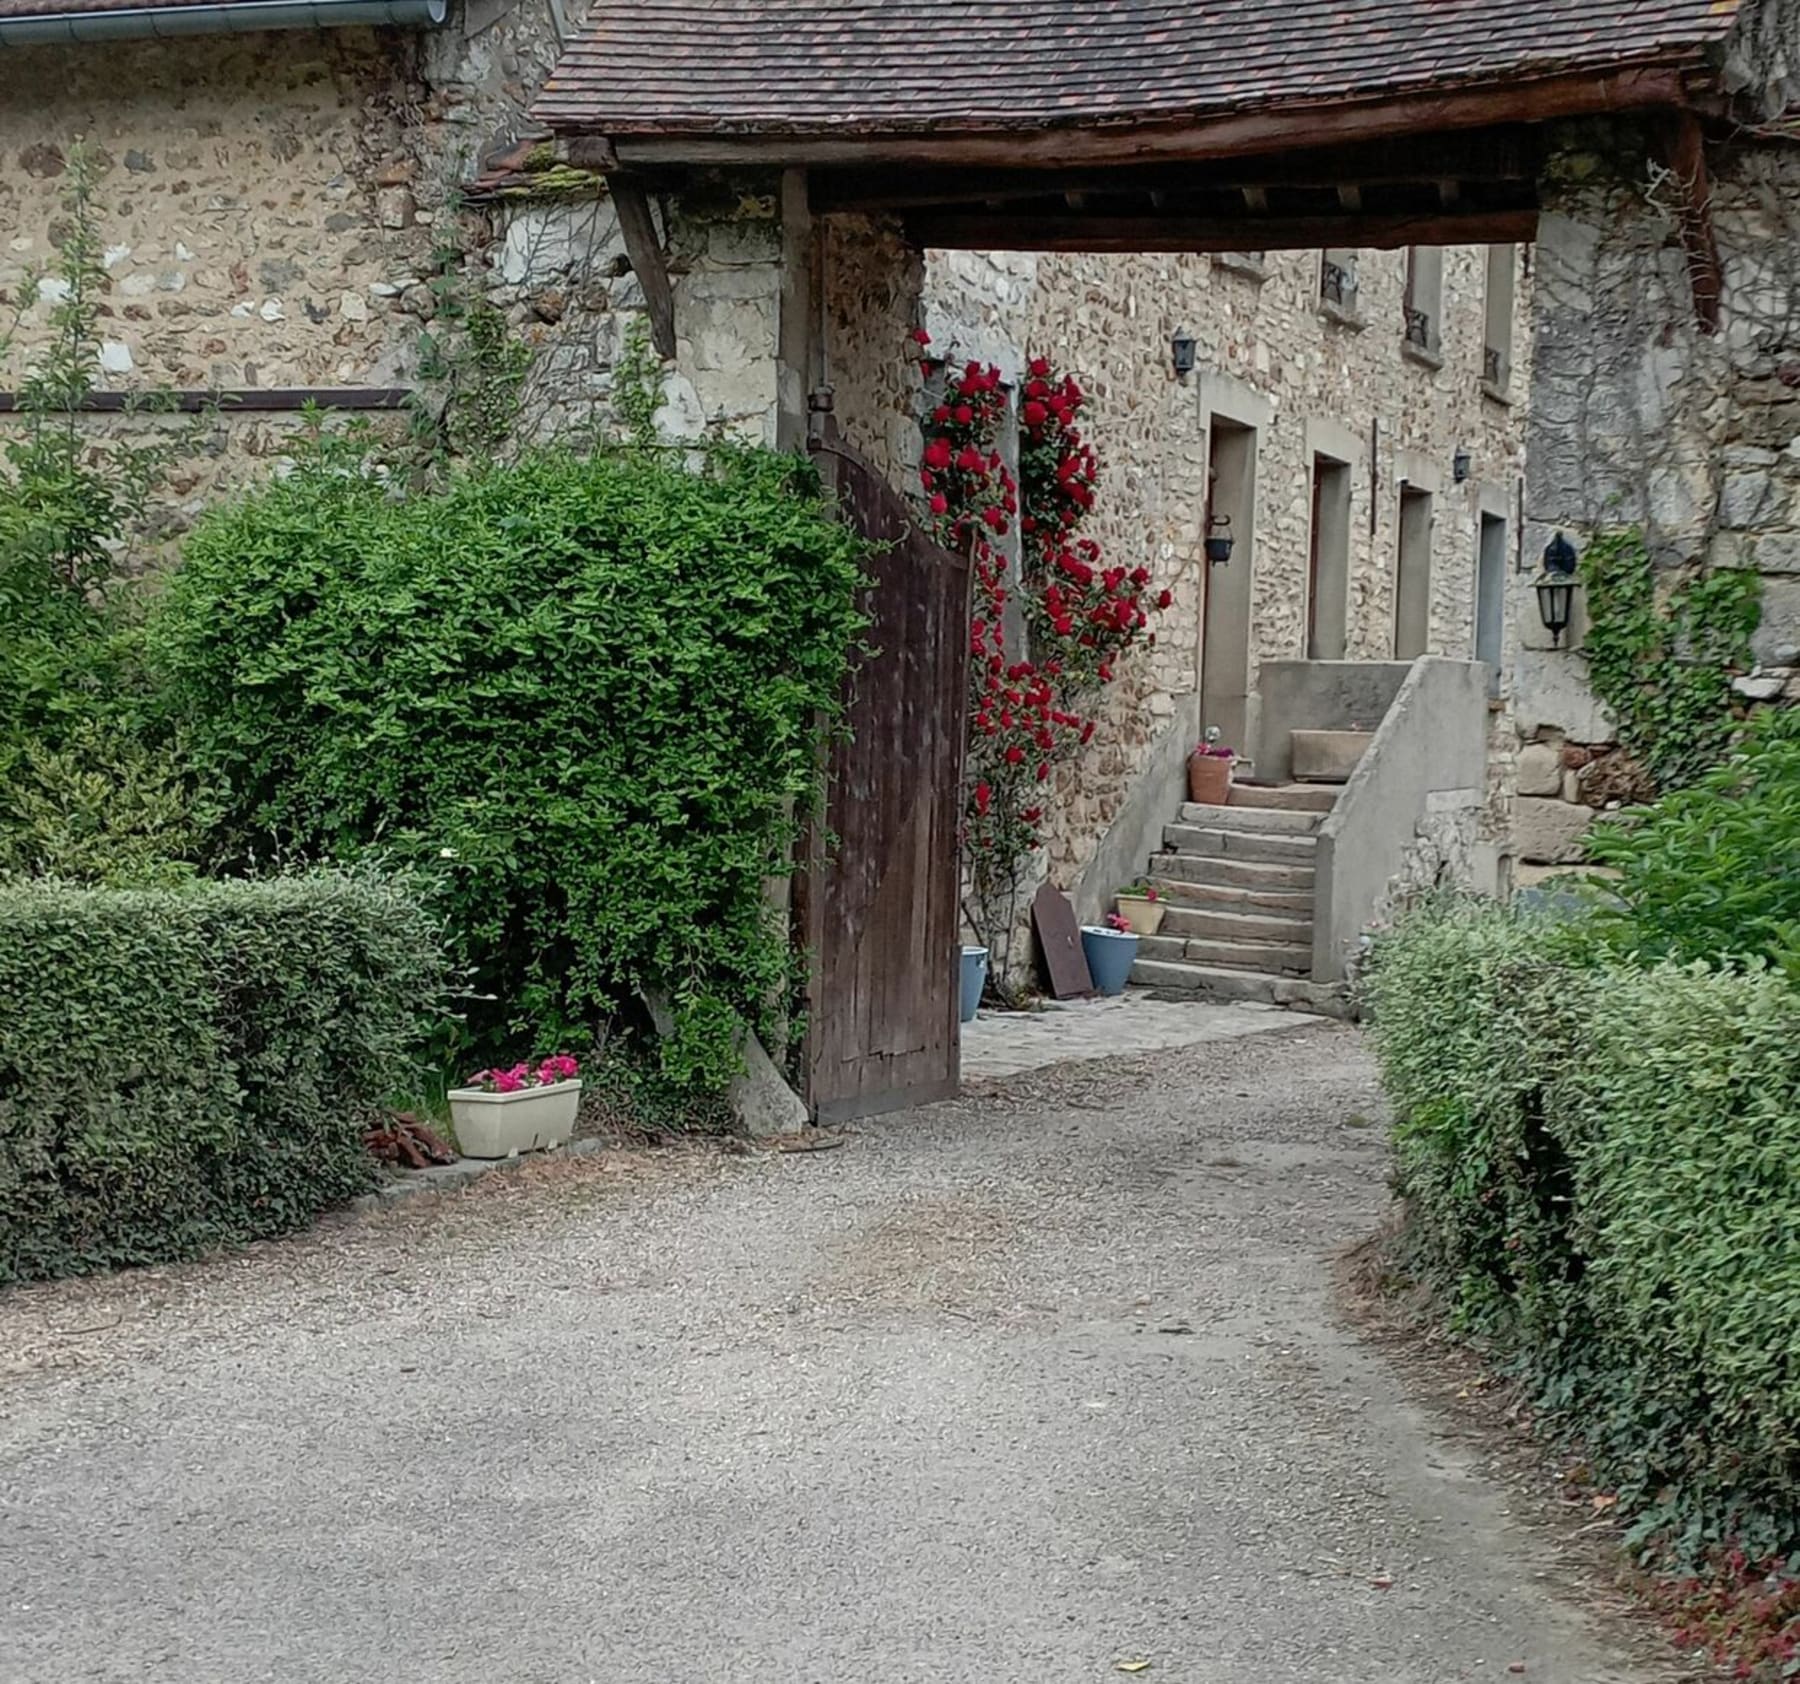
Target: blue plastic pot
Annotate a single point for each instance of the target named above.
(974, 980)
(1110, 956)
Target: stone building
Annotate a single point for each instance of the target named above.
(278, 204)
(1363, 446)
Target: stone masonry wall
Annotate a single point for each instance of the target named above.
(1640, 418)
(1321, 382)
(271, 205)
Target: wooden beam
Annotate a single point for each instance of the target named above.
(638, 226)
(1685, 148)
(999, 231)
(259, 400)
(593, 152)
(1235, 134)
(1507, 154)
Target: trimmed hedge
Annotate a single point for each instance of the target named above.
(183, 1068)
(1601, 1168)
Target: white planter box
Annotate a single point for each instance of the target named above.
(502, 1125)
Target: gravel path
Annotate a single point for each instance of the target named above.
(1015, 1389)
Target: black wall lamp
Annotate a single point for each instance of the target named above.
(1460, 465)
(1181, 352)
(1556, 587)
(1218, 538)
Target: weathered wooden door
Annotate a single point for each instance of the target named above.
(879, 903)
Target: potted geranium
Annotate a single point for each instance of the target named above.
(500, 1113)
(1141, 908)
(1111, 951)
(1209, 771)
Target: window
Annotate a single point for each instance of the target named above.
(1412, 575)
(1497, 343)
(1328, 593)
(1337, 280)
(1490, 597)
(1424, 309)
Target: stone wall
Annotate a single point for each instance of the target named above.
(273, 207)
(1638, 417)
(1310, 378)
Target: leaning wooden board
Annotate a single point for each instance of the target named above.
(1059, 937)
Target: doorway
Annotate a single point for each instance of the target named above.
(1328, 587)
(1412, 575)
(1490, 597)
(1225, 623)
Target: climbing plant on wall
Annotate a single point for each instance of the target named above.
(1663, 662)
(1040, 651)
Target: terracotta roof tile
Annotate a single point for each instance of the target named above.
(821, 67)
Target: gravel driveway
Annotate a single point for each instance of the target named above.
(1015, 1389)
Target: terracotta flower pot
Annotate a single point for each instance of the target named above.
(1209, 779)
(1144, 915)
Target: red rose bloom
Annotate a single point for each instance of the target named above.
(1014, 755)
(938, 454)
(1164, 598)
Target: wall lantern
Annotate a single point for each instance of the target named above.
(1556, 588)
(1459, 466)
(1181, 349)
(1218, 539)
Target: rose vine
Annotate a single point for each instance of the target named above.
(1034, 670)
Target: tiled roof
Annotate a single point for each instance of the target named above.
(723, 67)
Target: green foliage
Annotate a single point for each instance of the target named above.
(637, 386)
(586, 692)
(184, 1068)
(472, 366)
(105, 806)
(1664, 668)
(1713, 871)
(68, 501)
(1601, 1169)
(89, 788)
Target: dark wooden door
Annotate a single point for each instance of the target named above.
(878, 903)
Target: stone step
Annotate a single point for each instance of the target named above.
(1260, 821)
(1236, 924)
(1214, 841)
(1313, 798)
(1201, 871)
(1232, 897)
(1277, 957)
(1209, 982)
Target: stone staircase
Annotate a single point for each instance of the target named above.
(1237, 882)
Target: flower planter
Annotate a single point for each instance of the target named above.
(1110, 956)
(502, 1125)
(974, 980)
(1209, 779)
(1143, 914)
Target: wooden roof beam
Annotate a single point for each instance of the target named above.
(1003, 231)
(1234, 134)
(1507, 154)
(1684, 148)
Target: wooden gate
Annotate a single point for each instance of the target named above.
(878, 905)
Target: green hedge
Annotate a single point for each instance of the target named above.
(586, 693)
(1601, 1168)
(181, 1068)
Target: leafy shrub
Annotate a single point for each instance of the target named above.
(1662, 659)
(1601, 1168)
(1713, 871)
(588, 692)
(187, 1067)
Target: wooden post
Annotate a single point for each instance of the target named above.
(638, 226)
